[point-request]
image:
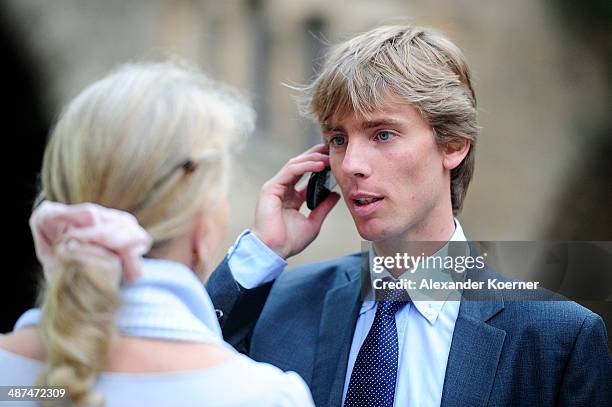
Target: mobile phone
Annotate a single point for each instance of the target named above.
(319, 187)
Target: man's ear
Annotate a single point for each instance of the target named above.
(454, 152)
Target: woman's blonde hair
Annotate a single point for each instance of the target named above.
(152, 139)
(419, 66)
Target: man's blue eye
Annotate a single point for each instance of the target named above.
(384, 135)
(337, 141)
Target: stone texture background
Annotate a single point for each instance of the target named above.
(543, 168)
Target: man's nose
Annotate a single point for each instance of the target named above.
(354, 162)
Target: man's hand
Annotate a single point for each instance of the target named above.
(278, 221)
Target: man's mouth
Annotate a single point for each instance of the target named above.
(365, 204)
(365, 201)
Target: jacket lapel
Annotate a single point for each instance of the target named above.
(339, 313)
(474, 355)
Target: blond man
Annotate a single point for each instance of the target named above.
(398, 115)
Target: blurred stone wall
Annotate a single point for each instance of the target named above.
(536, 86)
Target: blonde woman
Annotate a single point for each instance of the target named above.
(137, 166)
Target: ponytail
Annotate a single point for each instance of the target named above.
(76, 329)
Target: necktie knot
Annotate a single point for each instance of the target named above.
(389, 308)
(391, 300)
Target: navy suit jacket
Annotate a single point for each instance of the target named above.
(527, 353)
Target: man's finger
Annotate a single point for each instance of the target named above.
(292, 173)
(309, 157)
(320, 148)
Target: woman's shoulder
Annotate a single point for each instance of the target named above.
(232, 379)
(261, 383)
(229, 378)
(285, 388)
(259, 372)
(237, 381)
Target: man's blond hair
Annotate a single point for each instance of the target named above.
(418, 65)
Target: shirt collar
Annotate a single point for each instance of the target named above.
(168, 301)
(430, 310)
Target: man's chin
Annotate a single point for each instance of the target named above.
(372, 234)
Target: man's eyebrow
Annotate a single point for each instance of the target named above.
(378, 123)
(326, 128)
